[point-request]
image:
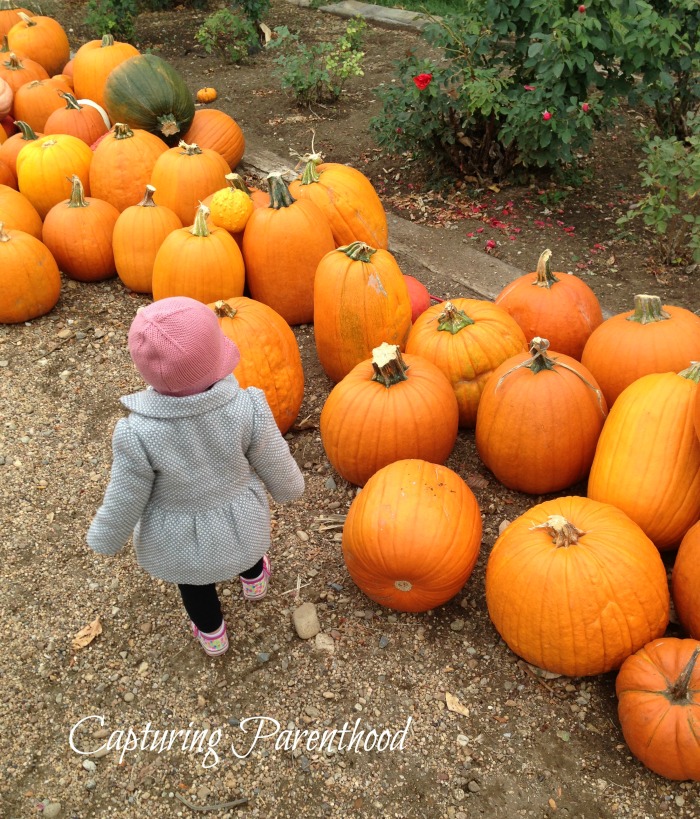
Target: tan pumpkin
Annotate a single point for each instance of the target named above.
(6, 98)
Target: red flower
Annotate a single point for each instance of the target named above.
(422, 81)
(490, 244)
(529, 87)
(546, 116)
(582, 9)
(584, 107)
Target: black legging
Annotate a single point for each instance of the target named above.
(202, 602)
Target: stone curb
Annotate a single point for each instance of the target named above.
(395, 18)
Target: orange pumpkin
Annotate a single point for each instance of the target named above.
(30, 282)
(35, 101)
(14, 144)
(218, 131)
(16, 72)
(360, 300)
(282, 247)
(206, 95)
(386, 409)
(348, 200)
(658, 691)
(201, 261)
(82, 121)
(556, 306)
(122, 165)
(139, 232)
(18, 213)
(648, 339)
(185, 175)
(79, 234)
(574, 586)
(647, 461)
(42, 39)
(270, 358)
(7, 175)
(9, 16)
(467, 339)
(685, 582)
(94, 61)
(411, 537)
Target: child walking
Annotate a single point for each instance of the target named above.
(191, 463)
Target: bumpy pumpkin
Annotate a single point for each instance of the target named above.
(658, 691)
(217, 130)
(574, 586)
(412, 536)
(360, 301)
(82, 121)
(18, 213)
(685, 582)
(467, 339)
(647, 461)
(270, 357)
(30, 282)
(388, 408)
(231, 206)
(648, 339)
(206, 95)
(42, 39)
(93, 63)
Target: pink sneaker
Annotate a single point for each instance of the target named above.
(215, 643)
(257, 589)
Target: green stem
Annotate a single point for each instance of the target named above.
(545, 277)
(540, 360)
(452, 320)
(358, 251)
(310, 174)
(692, 373)
(388, 365)
(680, 691)
(71, 101)
(26, 129)
(107, 40)
(200, 227)
(13, 63)
(122, 131)
(236, 182)
(147, 201)
(280, 197)
(77, 194)
(648, 309)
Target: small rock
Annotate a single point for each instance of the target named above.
(146, 628)
(324, 642)
(263, 656)
(305, 621)
(503, 525)
(328, 695)
(203, 793)
(89, 765)
(474, 786)
(383, 641)
(312, 711)
(91, 784)
(52, 809)
(302, 536)
(330, 484)
(201, 702)
(129, 696)
(457, 625)
(336, 586)
(66, 333)
(463, 740)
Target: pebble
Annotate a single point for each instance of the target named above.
(474, 786)
(457, 625)
(263, 656)
(52, 809)
(324, 642)
(302, 536)
(129, 696)
(312, 711)
(305, 621)
(66, 333)
(383, 641)
(91, 784)
(330, 484)
(463, 740)
(89, 765)
(328, 695)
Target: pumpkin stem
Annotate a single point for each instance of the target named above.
(648, 309)
(236, 182)
(453, 320)
(224, 310)
(4, 235)
(388, 365)
(26, 129)
(545, 277)
(168, 125)
(5, 45)
(280, 197)
(107, 40)
(564, 534)
(13, 62)
(692, 373)
(680, 691)
(310, 174)
(190, 150)
(200, 227)
(358, 251)
(71, 101)
(77, 194)
(25, 18)
(147, 201)
(122, 131)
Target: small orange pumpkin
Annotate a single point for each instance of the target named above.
(9, 16)
(16, 72)
(93, 63)
(41, 38)
(217, 130)
(82, 121)
(35, 101)
(206, 95)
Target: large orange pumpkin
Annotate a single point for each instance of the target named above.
(282, 247)
(574, 586)
(685, 582)
(79, 234)
(360, 301)
(347, 198)
(386, 409)
(30, 283)
(539, 420)
(18, 213)
(14, 144)
(82, 121)
(556, 306)
(648, 339)
(16, 72)
(9, 15)
(139, 232)
(270, 357)
(202, 262)
(467, 339)
(647, 461)
(42, 39)
(93, 62)
(412, 536)
(7, 176)
(218, 131)
(658, 691)
(35, 101)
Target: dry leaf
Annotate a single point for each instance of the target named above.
(266, 32)
(86, 635)
(476, 482)
(453, 704)
(305, 423)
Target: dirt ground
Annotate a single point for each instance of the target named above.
(527, 745)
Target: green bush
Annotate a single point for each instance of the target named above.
(233, 36)
(114, 17)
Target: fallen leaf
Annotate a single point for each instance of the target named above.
(476, 482)
(86, 635)
(453, 704)
(267, 33)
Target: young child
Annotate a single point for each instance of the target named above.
(191, 464)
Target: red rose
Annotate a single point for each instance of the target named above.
(422, 81)
(582, 9)
(529, 87)
(584, 107)
(546, 116)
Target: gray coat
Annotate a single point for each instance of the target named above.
(189, 478)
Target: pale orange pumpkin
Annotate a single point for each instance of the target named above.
(6, 97)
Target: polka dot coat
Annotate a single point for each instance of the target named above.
(188, 480)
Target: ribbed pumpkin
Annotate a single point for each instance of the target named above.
(685, 582)
(78, 232)
(93, 63)
(386, 409)
(658, 691)
(185, 175)
(467, 339)
(16, 72)
(45, 168)
(412, 536)
(574, 586)
(282, 247)
(217, 130)
(139, 232)
(556, 306)
(147, 93)
(6, 98)
(35, 101)
(230, 206)
(648, 339)
(82, 121)
(360, 301)
(419, 295)
(122, 165)
(7, 175)
(18, 213)
(14, 144)
(270, 358)
(42, 39)
(347, 198)
(9, 15)
(647, 461)
(202, 262)
(539, 420)
(30, 283)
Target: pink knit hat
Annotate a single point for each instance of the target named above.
(179, 348)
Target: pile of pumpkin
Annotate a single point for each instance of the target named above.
(555, 394)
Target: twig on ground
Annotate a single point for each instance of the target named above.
(218, 806)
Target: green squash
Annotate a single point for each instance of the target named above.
(147, 92)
